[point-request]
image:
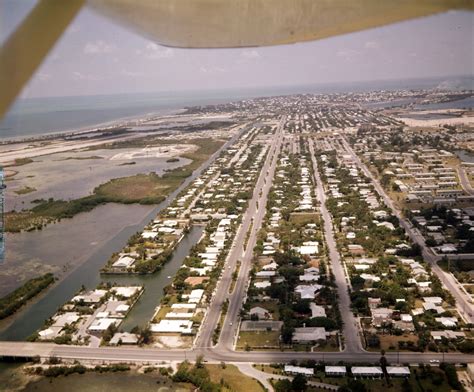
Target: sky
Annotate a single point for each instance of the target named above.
(96, 56)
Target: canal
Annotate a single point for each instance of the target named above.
(154, 284)
(32, 318)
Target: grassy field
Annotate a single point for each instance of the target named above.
(140, 188)
(233, 378)
(22, 161)
(390, 342)
(304, 217)
(330, 346)
(25, 190)
(258, 339)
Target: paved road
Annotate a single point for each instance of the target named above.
(352, 342)
(255, 215)
(149, 355)
(223, 351)
(464, 307)
(249, 370)
(464, 180)
(251, 219)
(263, 377)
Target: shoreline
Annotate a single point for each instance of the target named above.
(7, 323)
(97, 127)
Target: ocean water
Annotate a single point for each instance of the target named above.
(466, 103)
(39, 116)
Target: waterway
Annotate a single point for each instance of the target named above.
(144, 309)
(85, 171)
(466, 103)
(32, 318)
(465, 156)
(59, 248)
(389, 104)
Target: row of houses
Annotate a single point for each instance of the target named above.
(378, 270)
(267, 273)
(161, 236)
(182, 316)
(90, 313)
(355, 371)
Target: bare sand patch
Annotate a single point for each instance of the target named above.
(468, 120)
(173, 341)
(166, 151)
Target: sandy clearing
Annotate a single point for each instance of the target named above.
(156, 152)
(22, 151)
(437, 122)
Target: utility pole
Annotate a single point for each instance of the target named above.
(2, 216)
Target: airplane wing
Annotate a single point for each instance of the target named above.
(243, 23)
(203, 24)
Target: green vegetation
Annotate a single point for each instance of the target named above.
(25, 190)
(197, 375)
(22, 161)
(81, 158)
(56, 371)
(451, 375)
(15, 300)
(140, 188)
(423, 378)
(233, 378)
(258, 340)
(47, 211)
(298, 384)
(215, 378)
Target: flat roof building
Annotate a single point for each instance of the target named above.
(335, 371)
(299, 370)
(398, 371)
(366, 371)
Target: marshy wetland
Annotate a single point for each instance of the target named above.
(90, 236)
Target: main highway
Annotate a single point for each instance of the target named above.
(464, 180)
(156, 355)
(223, 351)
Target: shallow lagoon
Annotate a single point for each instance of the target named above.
(51, 250)
(75, 174)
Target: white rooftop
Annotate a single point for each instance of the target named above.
(363, 370)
